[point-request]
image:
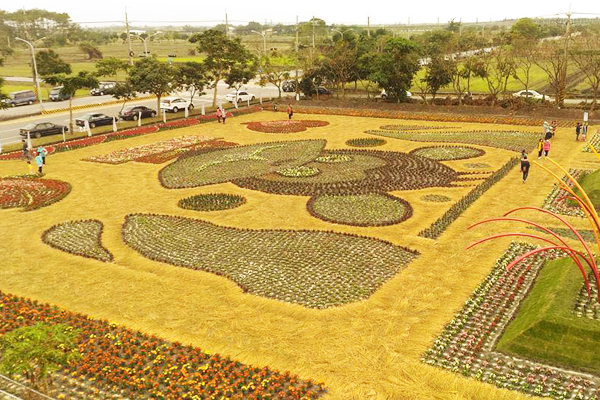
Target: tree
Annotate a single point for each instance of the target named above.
(90, 50)
(341, 64)
(397, 66)
(111, 66)
(222, 54)
(153, 76)
(191, 76)
(549, 56)
(438, 73)
(3, 97)
(124, 91)
(525, 29)
(499, 66)
(274, 74)
(50, 63)
(586, 56)
(36, 351)
(366, 67)
(70, 84)
(240, 75)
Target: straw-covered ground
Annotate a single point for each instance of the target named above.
(368, 347)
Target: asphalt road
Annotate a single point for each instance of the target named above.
(9, 130)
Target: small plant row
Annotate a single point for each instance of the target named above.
(477, 165)
(314, 269)
(467, 344)
(508, 140)
(128, 133)
(140, 366)
(31, 192)
(448, 153)
(128, 154)
(82, 238)
(414, 127)
(436, 198)
(588, 306)
(439, 226)
(594, 141)
(212, 202)
(556, 200)
(408, 115)
(365, 142)
(285, 126)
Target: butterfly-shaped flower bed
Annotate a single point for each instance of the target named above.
(124, 363)
(285, 126)
(31, 192)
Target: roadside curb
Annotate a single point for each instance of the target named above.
(92, 105)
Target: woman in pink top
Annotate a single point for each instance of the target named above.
(219, 115)
(547, 147)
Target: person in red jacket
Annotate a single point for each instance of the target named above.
(546, 147)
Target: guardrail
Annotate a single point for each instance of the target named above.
(92, 105)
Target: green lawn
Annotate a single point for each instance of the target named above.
(546, 327)
(591, 184)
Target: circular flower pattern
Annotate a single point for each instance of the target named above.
(315, 269)
(285, 126)
(298, 172)
(212, 202)
(365, 142)
(372, 209)
(31, 193)
(447, 153)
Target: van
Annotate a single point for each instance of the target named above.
(104, 88)
(56, 95)
(21, 98)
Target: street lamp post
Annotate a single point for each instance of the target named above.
(264, 40)
(341, 32)
(145, 41)
(35, 73)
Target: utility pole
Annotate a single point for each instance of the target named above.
(563, 75)
(297, 58)
(368, 27)
(313, 24)
(226, 25)
(128, 38)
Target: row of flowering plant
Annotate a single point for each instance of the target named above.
(140, 366)
(128, 133)
(30, 192)
(425, 116)
(467, 343)
(285, 126)
(594, 141)
(557, 201)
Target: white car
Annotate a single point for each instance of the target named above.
(242, 96)
(383, 95)
(174, 104)
(529, 94)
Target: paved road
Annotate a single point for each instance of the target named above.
(9, 130)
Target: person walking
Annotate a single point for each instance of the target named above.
(290, 111)
(554, 125)
(577, 131)
(525, 165)
(219, 115)
(224, 116)
(39, 161)
(25, 150)
(41, 150)
(546, 147)
(540, 148)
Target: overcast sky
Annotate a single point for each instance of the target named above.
(349, 11)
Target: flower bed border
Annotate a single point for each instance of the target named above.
(552, 203)
(436, 229)
(480, 152)
(467, 343)
(594, 141)
(284, 126)
(66, 186)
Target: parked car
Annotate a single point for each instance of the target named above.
(383, 95)
(21, 98)
(288, 86)
(529, 94)
(104, 88)
(242, 96)
(56, 95)
(133, 113)
(40, 129)
(174, 104)
(321, 90)
(94, 119)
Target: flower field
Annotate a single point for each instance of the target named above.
(31, 193)
(139, 366)
(556, 200)
(594, 141)
(203, 260)
(289, 126)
